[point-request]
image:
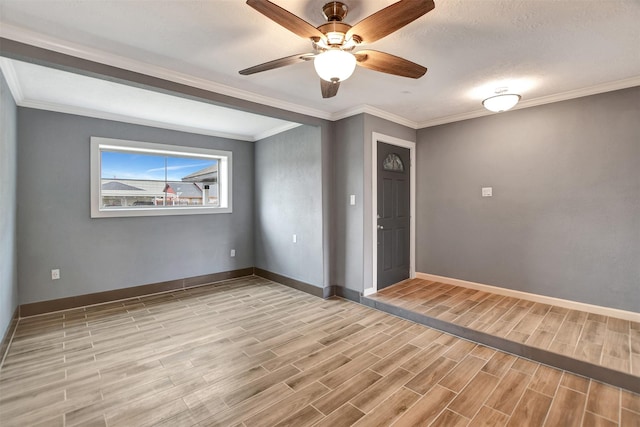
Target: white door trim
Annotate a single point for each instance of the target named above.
(373, 208)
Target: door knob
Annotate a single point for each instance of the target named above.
(380, 227)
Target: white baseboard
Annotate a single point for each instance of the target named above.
(572, 305)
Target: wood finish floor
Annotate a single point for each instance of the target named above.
(601, 340)
(250, 352)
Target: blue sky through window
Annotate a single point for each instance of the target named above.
(118, 165)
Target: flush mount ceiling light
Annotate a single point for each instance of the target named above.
(502, 101)
(334, 65)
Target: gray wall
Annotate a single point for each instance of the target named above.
(564, 219)
(352, 168)
(289, 200)
(95, 255)
(348, 163)
(8, 249)
(345, 159)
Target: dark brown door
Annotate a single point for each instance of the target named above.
(393, 214)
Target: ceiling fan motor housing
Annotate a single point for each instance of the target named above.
(334, 29)
(335, 32)
(335, 11)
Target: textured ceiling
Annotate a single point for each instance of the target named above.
(545, 50)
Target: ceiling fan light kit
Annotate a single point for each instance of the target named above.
(335, 42)
(502, 101)
(334, 65)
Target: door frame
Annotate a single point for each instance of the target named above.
(373, 207)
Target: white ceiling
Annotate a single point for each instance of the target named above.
(545, 50)
(45, 88)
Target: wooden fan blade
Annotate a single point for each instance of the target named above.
(277, 63)
(287, 19)
(329, 89)
(390, 64)
(390, 19)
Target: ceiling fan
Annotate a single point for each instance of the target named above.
(334, 42)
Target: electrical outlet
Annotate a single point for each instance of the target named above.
(487, 191)
(233, 253)
(55, 274)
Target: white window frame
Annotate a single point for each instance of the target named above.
(225, 160)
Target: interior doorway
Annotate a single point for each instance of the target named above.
(392, 210)
(393, 215)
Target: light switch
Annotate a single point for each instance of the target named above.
(352, 200)
(487, 191)
(295, 239)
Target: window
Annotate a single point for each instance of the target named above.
(130, 178)
(393, 163)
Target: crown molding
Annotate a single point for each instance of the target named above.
(87, 112)
(9, 72)
(32, 38)
(456, 118)
(275, 131)
(73, 49)
(69, 48)
(368, 109)
(549, 99)
(579, 93)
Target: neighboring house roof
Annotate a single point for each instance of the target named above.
(208, 174)
(185, 189)
(142, 188)
(120, 186)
